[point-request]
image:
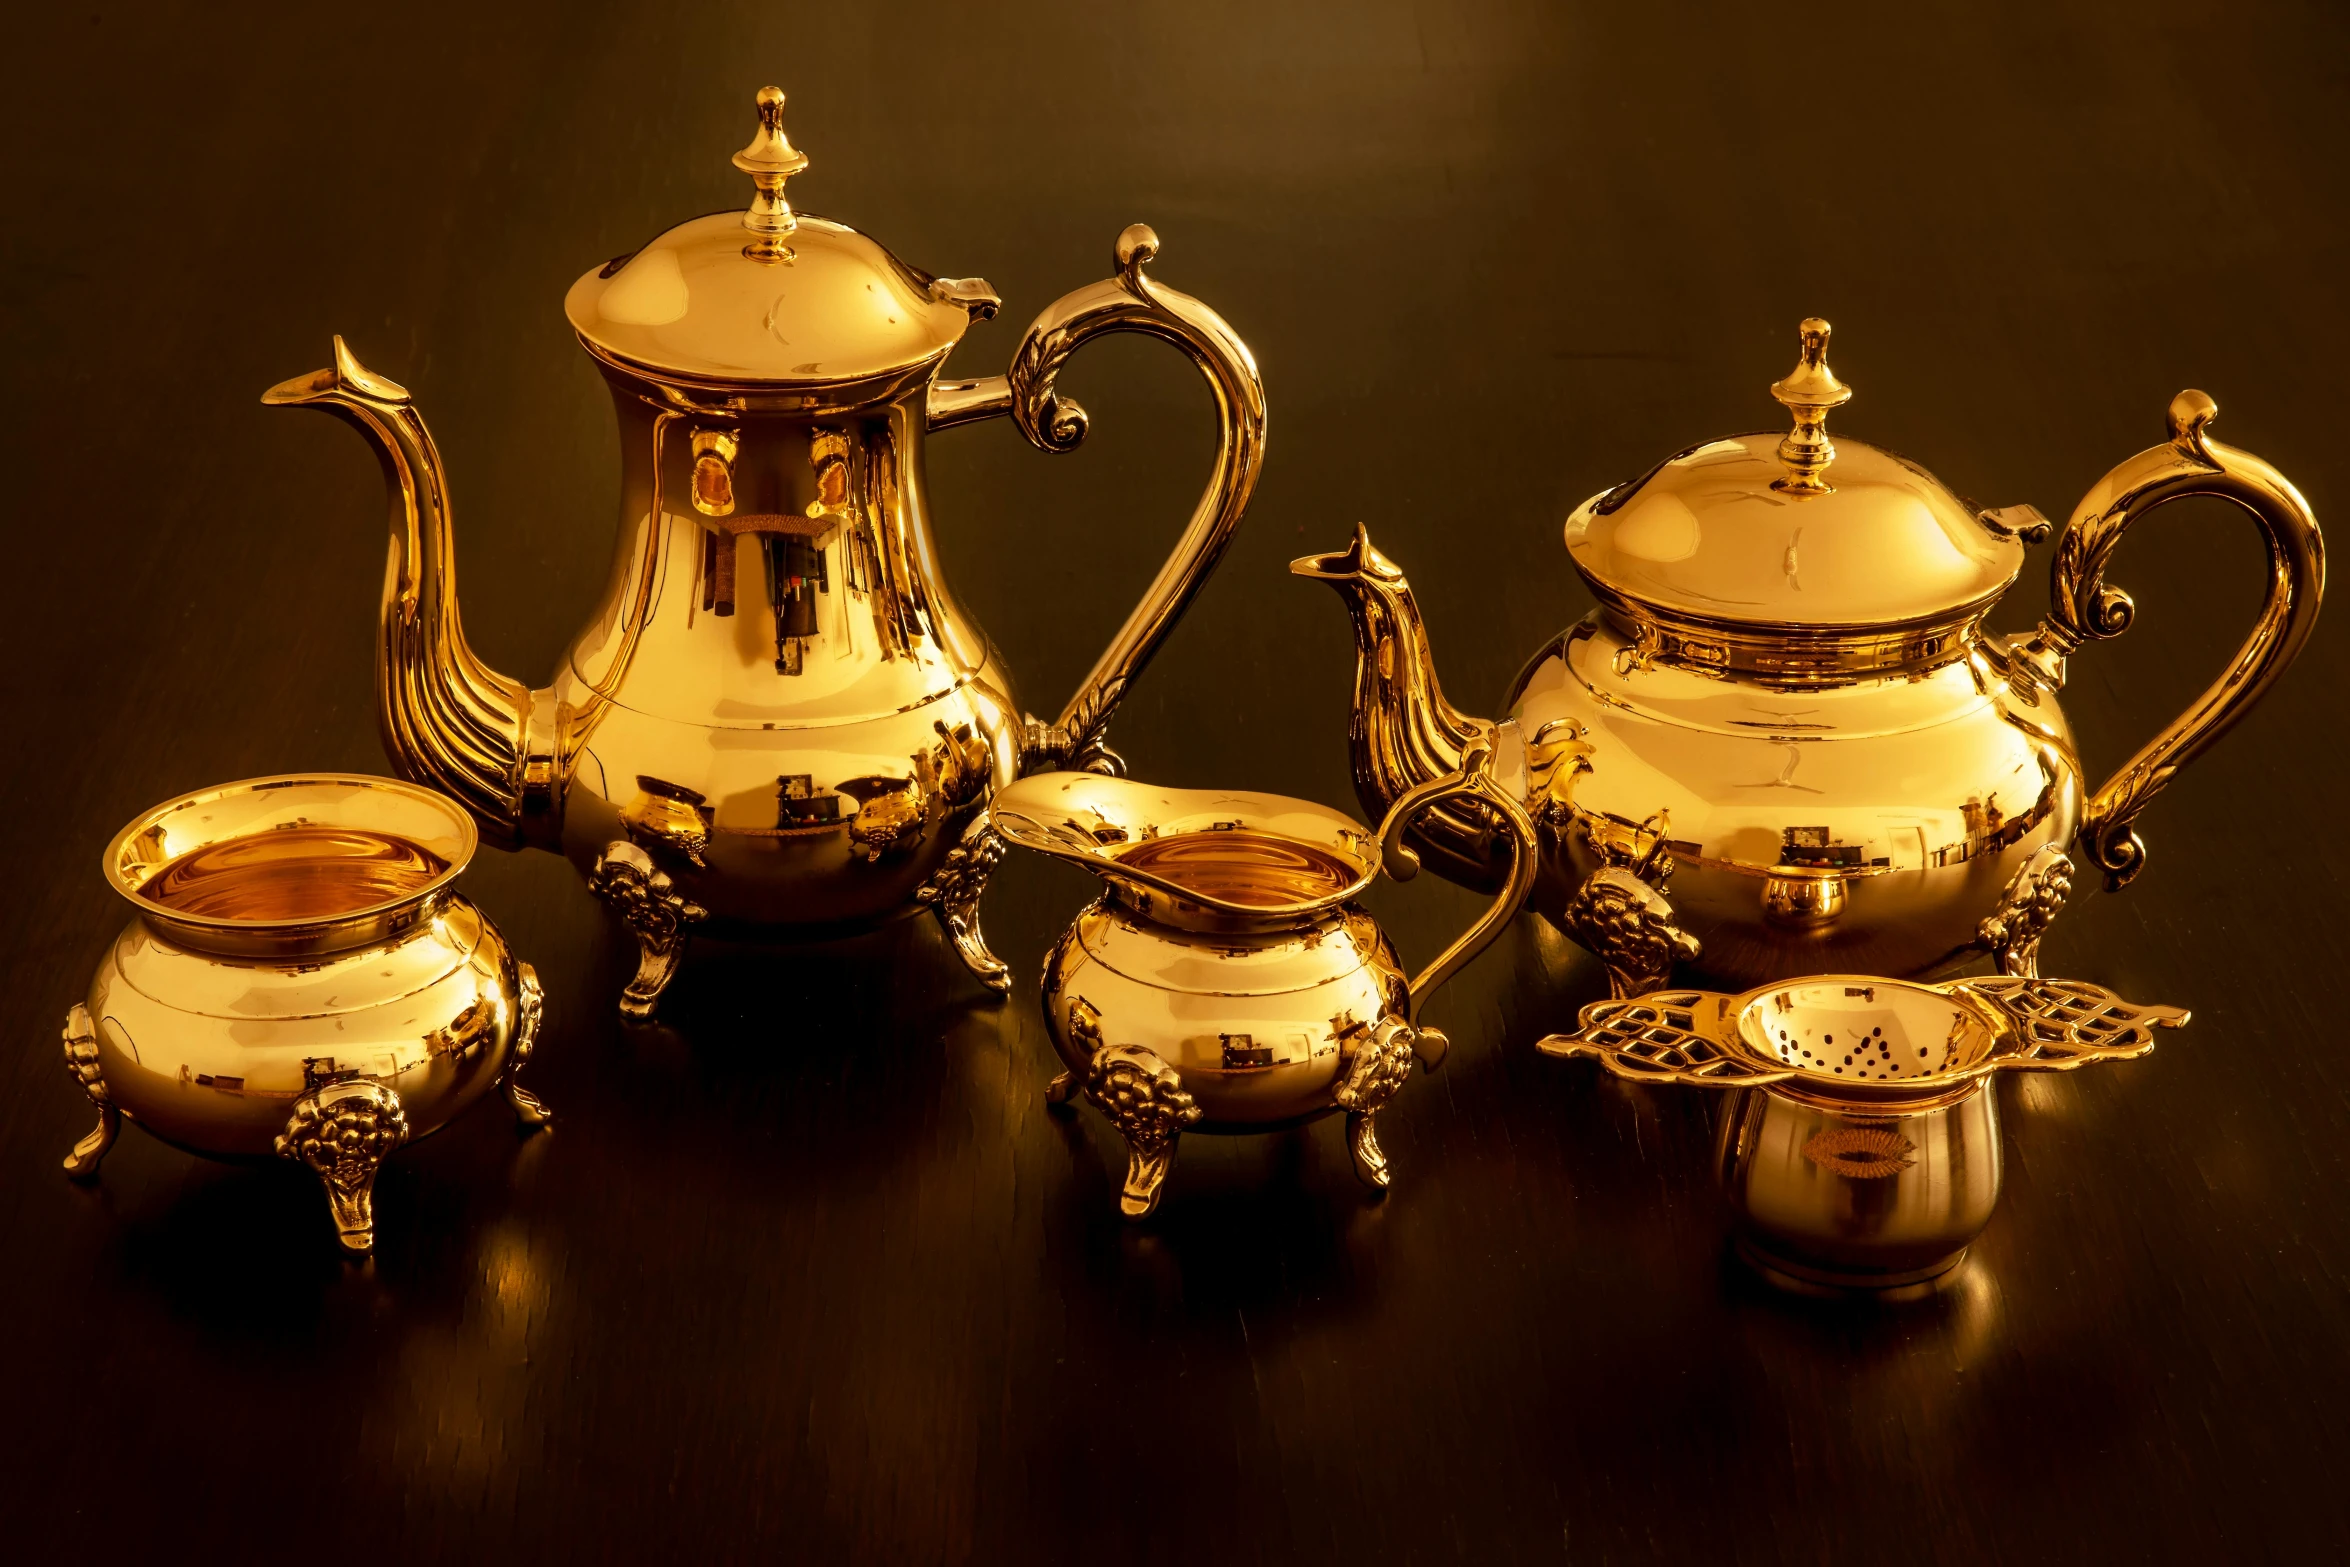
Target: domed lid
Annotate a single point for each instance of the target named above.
(768, 295)
(1798, 531)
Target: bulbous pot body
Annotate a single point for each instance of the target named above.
(1261, 1026)
(799, 727)
(210, 1050)
(1863, 823)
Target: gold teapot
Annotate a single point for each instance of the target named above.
(301, 979)
(1226, 980)
(1861, 1149)
(777, 721)
(1784, 743)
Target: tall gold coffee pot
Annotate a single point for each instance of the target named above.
(777, 722)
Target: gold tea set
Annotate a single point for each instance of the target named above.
(1783, 753)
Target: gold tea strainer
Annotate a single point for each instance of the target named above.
(1852, 1041)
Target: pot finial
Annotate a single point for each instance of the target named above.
(1809, 391)
(769, 160)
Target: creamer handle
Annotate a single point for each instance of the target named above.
(2082, 608)
(1474, 781)
(1129, 302)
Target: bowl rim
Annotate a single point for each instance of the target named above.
(1018, 813)
(115, 856)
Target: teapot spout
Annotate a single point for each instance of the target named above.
(448, 719)
(1403, 732)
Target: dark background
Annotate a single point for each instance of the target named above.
(809, 1273)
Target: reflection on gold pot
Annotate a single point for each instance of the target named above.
(301, 980)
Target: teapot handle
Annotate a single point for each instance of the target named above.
(2082, 608)
(1473, 781)
(1129, 302)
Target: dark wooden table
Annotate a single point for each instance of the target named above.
(808, 1273)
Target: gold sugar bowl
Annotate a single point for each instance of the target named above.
(1861, 1150)
(1227, 980)
(301, 980)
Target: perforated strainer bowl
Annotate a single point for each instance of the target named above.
(1874, 1032)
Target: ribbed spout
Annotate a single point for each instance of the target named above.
(448, 720)
(1403, 732)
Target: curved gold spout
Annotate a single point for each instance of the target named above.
(1404, 734)
(448, 719)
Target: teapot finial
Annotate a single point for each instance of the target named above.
(1809, 391)
(769, 160)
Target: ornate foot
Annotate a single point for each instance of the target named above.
(530, 1006)
(1370, 1161)
(82, 1163)
(1144, 1099)
(1629, 926)
(1382, 1060)
(81, 1059)
(343, 1131)
(2033, 898)
(954, 892)
(650, 905)
(1061, 1090)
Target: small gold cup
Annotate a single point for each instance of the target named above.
(301, 980)
(1862, 1150)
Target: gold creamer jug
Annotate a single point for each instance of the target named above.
(777, 721)
(1227, 979)
(1785, 743)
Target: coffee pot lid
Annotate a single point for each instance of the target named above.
(1797, 531)
(768, 295)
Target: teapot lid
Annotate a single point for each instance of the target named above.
(1798, 531)
(769, 295)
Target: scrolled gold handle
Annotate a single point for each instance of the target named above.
(1473, 781)
(2082, 608)
(1129, 302)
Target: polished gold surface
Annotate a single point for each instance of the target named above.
(1227, 978)
(778, 708)
(301, 980)
(1786, 720)
(1862, 1149)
